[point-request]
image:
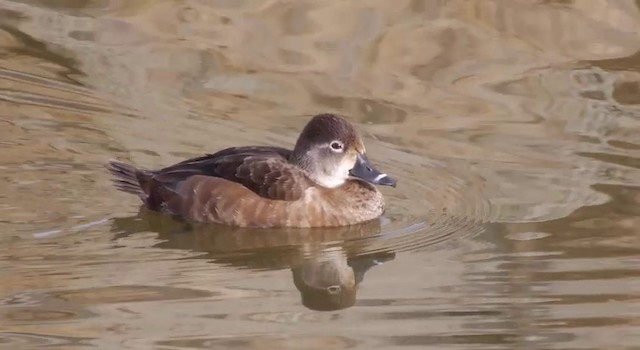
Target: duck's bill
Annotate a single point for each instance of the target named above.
(364, 170)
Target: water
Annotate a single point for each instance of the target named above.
(513, 128)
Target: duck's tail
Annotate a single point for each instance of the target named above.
(128, 178)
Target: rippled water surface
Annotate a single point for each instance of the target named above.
(512, 126)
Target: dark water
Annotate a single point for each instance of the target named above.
(512, 126)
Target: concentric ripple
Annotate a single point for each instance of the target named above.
(434, 202)
(420, 214)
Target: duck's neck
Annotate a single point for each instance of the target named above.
(329, 178)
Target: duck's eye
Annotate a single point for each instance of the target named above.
(336, 146)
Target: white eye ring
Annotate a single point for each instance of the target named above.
(336, 146)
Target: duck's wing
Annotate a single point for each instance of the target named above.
(263, 170)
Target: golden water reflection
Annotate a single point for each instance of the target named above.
(513, 127)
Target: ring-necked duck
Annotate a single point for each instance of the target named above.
(326, 180)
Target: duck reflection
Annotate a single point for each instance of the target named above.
(327, 264)
(329, 280)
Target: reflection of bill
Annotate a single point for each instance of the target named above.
(327, 264)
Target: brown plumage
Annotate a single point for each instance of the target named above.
(260, 186)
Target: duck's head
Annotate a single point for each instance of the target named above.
(330, 149)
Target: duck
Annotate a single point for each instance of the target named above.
(326, 180)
